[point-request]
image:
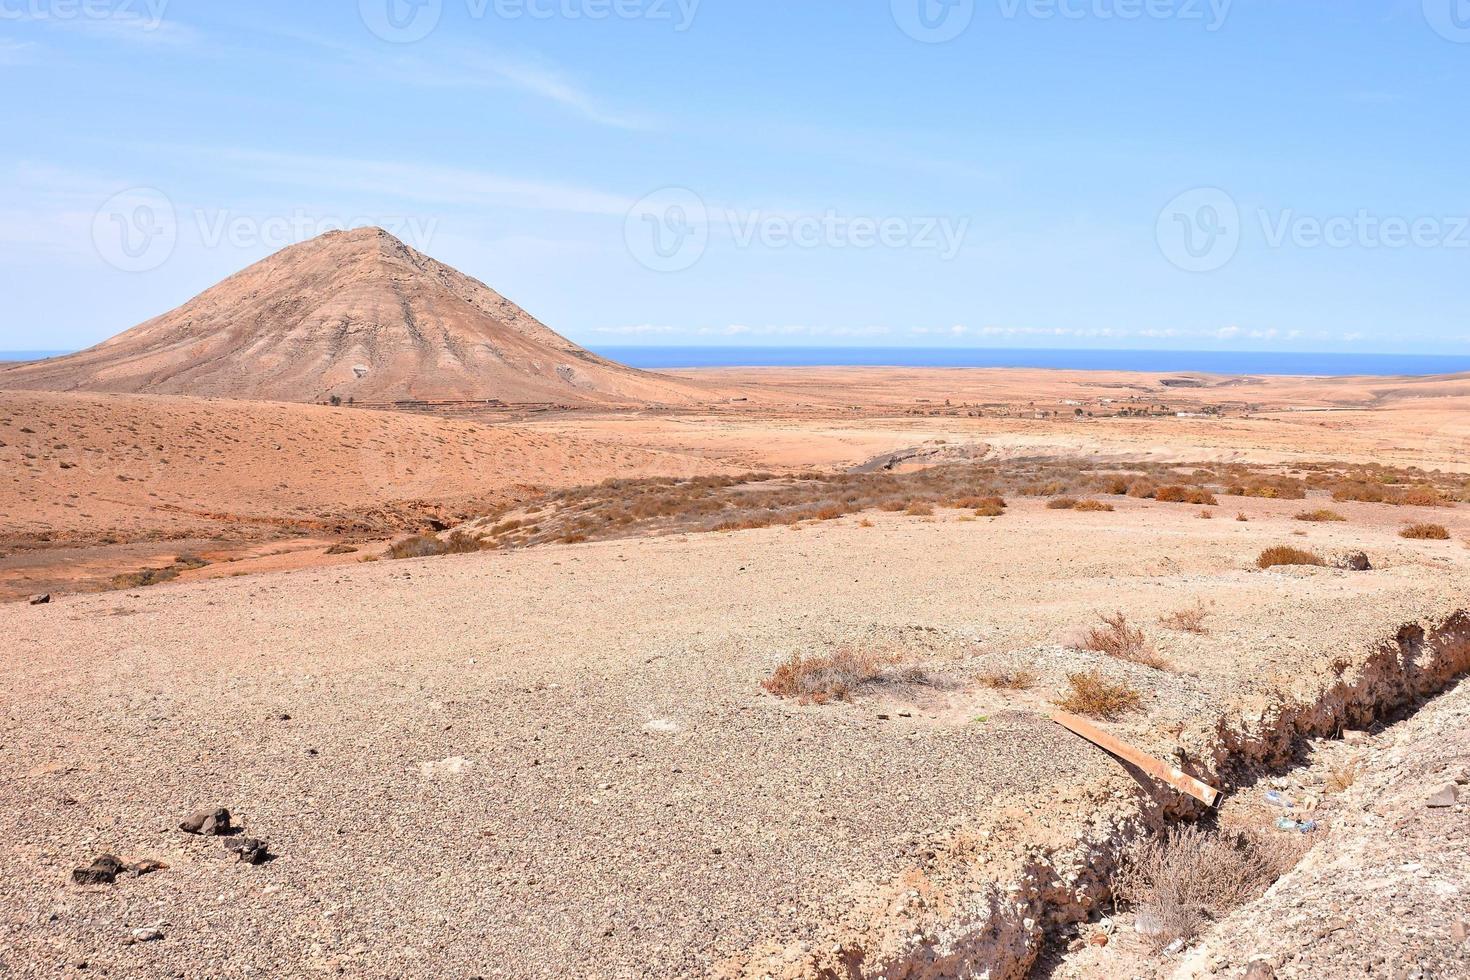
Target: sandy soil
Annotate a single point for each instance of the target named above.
(560, 762)
(82, 475)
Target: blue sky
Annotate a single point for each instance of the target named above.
(1246, 175)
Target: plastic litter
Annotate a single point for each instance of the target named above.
(1276, 799)
(1302, 826)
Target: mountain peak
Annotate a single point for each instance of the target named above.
(355, 314)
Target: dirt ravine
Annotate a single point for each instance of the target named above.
(983, 904)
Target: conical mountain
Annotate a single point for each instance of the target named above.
(353, 315)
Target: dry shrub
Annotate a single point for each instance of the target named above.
(1242, 518)
(920, 509)
(1425, 532)
(819, 680)
(1019, 679)
(1322, 516)
(429, 546)
(1191, 620)
(1117, 639)
(1205, 515)
(156, 576)
(1271, 488)
(990, 507)
(1423, 497)
(1061, 503)
(1287, 555)
(1094, 695)
(865, 523)
(1116, 486)
(1377, 493)
(1093, 506)
(1188, 878)
(1185, 495)
(1341, 778)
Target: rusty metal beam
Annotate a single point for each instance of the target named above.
(1156, 768)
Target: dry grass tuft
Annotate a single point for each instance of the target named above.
(1323, 516)
(1191, 620)
(1117, 639)
(1287, 555)
(1189, 878)
(1062, 503)
(1425, 532)
(1094, 695)
(1020, 679)
(920, 510)
(1093, 506)
(820, 680)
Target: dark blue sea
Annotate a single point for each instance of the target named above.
(1208, 362)
(1153, 361)
(28, 355)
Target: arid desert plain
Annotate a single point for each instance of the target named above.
(516, 662)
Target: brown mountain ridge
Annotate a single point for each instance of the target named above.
(353, 315)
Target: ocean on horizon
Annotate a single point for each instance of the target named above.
(1146, 361)
(1307, 364)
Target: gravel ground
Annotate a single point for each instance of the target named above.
(559, 762)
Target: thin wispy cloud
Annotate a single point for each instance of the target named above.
(16, 53)
(147, 23)
(415, 182)
(477, 69)
(554, 86)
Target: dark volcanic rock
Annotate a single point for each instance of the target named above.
(208, 823)
(103, 871)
